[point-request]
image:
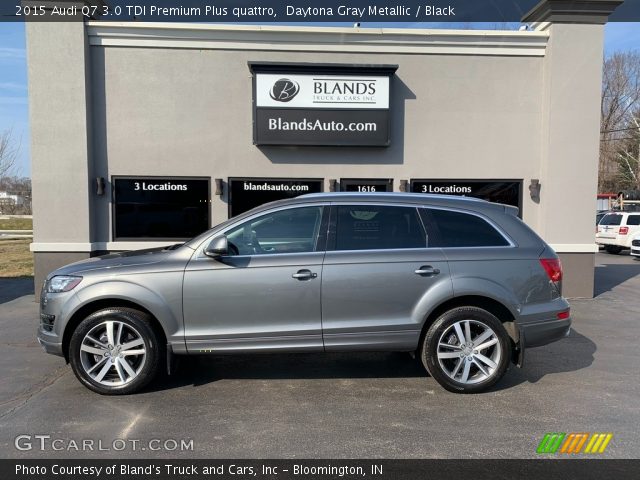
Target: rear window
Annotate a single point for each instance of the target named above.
(455, 229)
(611, 219)
(633, 220)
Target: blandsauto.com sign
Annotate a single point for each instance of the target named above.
(335, 105)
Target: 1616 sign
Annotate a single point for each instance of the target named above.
(304, 104)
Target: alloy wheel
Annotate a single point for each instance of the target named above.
(469, 352)
(113, 353)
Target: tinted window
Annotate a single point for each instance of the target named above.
(455, 229)
(294, 230)
(633, 220)
(368, 227)
(611, 219)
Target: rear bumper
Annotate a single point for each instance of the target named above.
(544, 332)
(621, 242)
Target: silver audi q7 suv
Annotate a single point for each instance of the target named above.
(462, 282)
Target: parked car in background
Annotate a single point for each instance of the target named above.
(635, 246)
(462, 282)
(616, 230)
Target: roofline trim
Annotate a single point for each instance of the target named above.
(317, 39)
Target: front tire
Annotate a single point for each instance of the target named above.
(466, 350)
(116, 351)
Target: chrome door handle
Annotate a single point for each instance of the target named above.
(427, 270)
(304, 275)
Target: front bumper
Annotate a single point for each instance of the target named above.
(50, 343)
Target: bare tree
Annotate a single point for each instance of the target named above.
(9, 149)
(619, 107)
(628, 157)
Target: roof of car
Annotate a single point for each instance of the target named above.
(469, 203)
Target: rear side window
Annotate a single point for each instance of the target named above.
(371, 227)
(611, 219)
(455, 229)
(633, 220)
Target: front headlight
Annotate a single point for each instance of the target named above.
(62, 283)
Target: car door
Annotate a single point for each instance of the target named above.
(265, 294)
(379, 278)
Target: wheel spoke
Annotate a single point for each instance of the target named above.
(118, 365)
(119, 333)
(465, 372)
(93, 350)
(140, 351)
(110, 335)
(98, 363)
(481, 367)
(447, 345)
(486, 345)
(459, 333)
(97, 342)
(486, 360)
(467, 331)
(446, 355)
(105, 369)
(131, 344)
(457, 369)
(483, 336)
(128, 368)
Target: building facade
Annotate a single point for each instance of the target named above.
(145, 134)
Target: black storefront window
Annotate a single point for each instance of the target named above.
(364, 185)
(248, 193)
(160, 208)
(508, 192)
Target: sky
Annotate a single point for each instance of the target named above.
(14, 103)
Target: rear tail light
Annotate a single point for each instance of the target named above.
(623, 230)
(553, 267)
(564, 315)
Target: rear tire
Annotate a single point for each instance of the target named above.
(470, 364)
(116, 351)
(612, 249)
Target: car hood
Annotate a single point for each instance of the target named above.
(113, 261)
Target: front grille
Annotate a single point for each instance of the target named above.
(47, 321)
(636, 243)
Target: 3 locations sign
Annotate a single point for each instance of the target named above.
(248, 193)
(508, 192)
(162, 208)
(335, 105)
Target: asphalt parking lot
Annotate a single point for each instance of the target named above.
(339, 405)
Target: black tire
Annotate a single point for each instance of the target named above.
(445, 325)
(612, 249)
(134, 323)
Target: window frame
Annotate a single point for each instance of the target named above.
(320, 241)
(332, 237)
(431, 226)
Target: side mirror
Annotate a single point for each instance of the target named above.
(217, 247)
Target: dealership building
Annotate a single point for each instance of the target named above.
(145, 134)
